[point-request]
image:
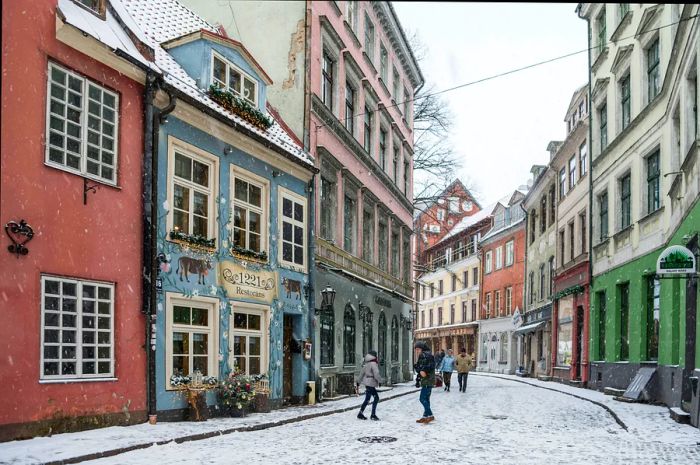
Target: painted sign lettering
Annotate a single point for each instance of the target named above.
(239, 281)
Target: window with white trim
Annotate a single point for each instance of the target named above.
(226, 75)
(249, 211)
(248, 341)
(487, 266)
(293, 228)
(192, 338)
(499, 258)
(77, 329)
(510, 255)
(191, 191)
(81, 126)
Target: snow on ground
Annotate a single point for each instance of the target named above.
(68, 445)
(495, 421)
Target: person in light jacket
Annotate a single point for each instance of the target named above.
(370, 377)
(463, 362)
(447, 366)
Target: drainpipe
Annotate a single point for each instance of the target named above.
(311, 250)
(525, 287)
(153, 118)
(587, 329)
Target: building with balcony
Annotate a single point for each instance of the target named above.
(344, 77)
(502, 256)
(645, 187)
(571, 316)
(448, 288)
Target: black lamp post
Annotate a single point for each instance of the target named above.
(327, 297)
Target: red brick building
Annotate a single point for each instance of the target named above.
(72, 149)
(436, 217)
(502, 257)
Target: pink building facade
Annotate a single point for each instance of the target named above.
(362, 78)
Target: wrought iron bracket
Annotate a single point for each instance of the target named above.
(15, 231)
(88, 188)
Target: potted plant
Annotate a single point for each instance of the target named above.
(194, 387)
(236, 393)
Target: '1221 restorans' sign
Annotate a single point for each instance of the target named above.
(245, 283)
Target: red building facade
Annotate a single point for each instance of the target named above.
(72, 145)
(502, 268)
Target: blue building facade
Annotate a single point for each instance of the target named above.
(233, 226)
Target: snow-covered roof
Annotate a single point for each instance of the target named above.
(468, 221)
(164, 20)
(109, 31)
(495, 232)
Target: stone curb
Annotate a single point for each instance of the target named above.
(599, 404)
(211, 434)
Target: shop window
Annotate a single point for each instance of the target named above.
(349, 325)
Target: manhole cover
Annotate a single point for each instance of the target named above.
(496, 417)
(377, 439)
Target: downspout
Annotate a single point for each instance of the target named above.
(147, 284)
(587, 328)
(526, 289)
(311, 250)
(154, 117)
(307, 77)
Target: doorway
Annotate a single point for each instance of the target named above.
(579, 341)
(288, 350)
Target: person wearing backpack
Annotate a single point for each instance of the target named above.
(369, 376)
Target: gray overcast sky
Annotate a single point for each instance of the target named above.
(501, 127)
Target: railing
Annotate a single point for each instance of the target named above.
(332, 255)
(456, 255)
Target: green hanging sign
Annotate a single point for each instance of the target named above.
(675, 259)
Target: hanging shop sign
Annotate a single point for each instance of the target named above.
(675, 259)
(241, 282)
(517, 319)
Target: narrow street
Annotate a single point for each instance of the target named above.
(495, 421)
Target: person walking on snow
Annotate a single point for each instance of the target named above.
(425, 366)
(463, 363)
(370, 377)
(439, 355)
(447, 366)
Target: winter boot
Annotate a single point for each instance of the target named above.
(361, 416)
(421, 420)
(429, 419)
(374, 417)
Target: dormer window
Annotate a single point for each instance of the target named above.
(228, 76)
(95, 6)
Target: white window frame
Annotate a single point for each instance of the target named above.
(201, 156)
(294, 197)
(488, 258)
(84, 117)
(499, 257)
(253, 309)
(510, 256)
(264, 210)
(78, 342)
(213, 305)
(244, 76)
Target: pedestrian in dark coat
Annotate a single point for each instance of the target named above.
(370, 377)
(425, 366)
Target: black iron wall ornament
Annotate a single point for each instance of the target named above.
(19, 233)
(88, 188)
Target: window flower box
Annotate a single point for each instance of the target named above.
(193, 240)
(240, 107)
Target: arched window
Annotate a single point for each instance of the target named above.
(394, 339)
(327, 329)
(382, 341)
(367, 331)
(349, 336)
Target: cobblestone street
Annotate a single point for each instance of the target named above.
(495, 421)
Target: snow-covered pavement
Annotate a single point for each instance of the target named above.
(495, 421)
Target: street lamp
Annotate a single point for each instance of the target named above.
(327, 297)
